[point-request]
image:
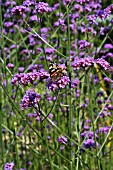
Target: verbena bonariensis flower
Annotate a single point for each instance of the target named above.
(75, 83)
(104, 129)
(61, 83)
(8, 3)
(42, 7)
(89, 143)
(8, 24)
(92, 19)
(9, 166)
(88, 135)
(10, 65)
(30, 99)
(18, 10)
(92, 6)
(28, 2)
(62, 140)
(49, 50)
(102, 14)
(78, 8)
(82, 62)
(26, 78)
(108, 46)
(104, 114)
(83, 44)
(81, 1)
(102, 63)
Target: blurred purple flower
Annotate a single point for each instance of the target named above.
(92, 19)
(89, 143)
(108, 46)
(78, 8)
(26, 78)
(101, 14)
(66, 2)
(8, 3)
(104, 129)
(110, 107)
(102, 63)
(86, 127)
(55, 6)
(29, 163)
(21, 69)
(42, 7)
(34, 18)
(10, 65)
(96, 79)
(30, 99)
(62, 140)
(106, 79)
(88, 135)
(32, 115)
(82, 62)
(75, 83)
(61, 83)
(9, 166)
(28, 2)
(8, 24)
(13, 46)
(48, 137)
(83, 44)
(18, 10)
(81, 1)
(109, 55)
(60, 22)
(49, 51)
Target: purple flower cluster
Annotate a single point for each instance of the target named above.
(62, 140)
(26, 78)
(28, 3)
(18, 10)
(10, 65)
(9, 166)
(88, 143)
(89, 135)
(30, 99)
(104, 129)
(101, 14)
(42, 7)
(102, 63)
(84, 44)
(36, 115)
(75, 83)
(79, 63)
(61, 83)
(81, 1)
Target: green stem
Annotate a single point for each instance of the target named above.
(70, 99)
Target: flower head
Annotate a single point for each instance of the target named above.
(102, 63)
(62, 140)
(26, 78)
(18, 10)
(82, 62)
(75, 83)
(30, 99)
(61, 83)
(28, 2)
(42, 7)
(88, 143)
(9, 166)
